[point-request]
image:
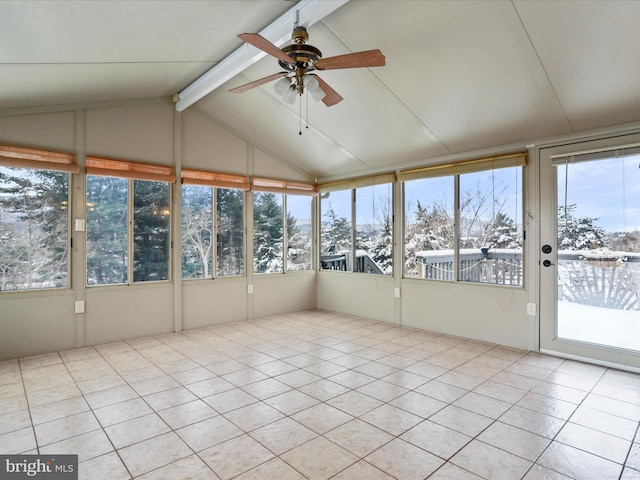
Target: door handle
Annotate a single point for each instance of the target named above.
(547, 263)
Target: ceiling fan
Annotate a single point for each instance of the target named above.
(298, 60)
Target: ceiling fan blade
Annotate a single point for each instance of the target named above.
(265, 45)
(331, 97)
(257, 83)
(369, 58)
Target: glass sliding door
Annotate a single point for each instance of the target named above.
(590, 251)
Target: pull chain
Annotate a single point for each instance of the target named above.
(300, 117)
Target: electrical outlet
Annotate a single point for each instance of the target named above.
(531, 309)
(396, 293)
(80, 306)
(250, 288)
(80, 224)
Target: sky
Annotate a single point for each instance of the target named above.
(607, 190)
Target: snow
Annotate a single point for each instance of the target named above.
(599, 325)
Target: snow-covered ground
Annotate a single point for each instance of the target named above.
(603, 326)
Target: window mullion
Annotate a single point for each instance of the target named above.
(456, 230)
(285, 234)
(130, 221)
(214, 232)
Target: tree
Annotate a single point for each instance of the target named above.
(502, 232)
(197, 231)
(578, 233)
(336, 232)
(107, 220)
(267, 233)
(151, 220)
(33, 228)
(432, 229)
(230, 231)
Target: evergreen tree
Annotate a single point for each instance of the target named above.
(107, 220)
(230, 231)
(381, 246)
(502, 232)
(267, 233)
(578, 233)
(432, 229)
(33, 228)
(336, 232)
(151, 220)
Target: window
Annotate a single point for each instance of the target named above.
(128, 205)
(374, 229)
(299, 232)
(486, 245)
(34, 218)
(281, 216)
(268, 232)
(204, 193)
(335, 230)
(429, 228)
(360, 211)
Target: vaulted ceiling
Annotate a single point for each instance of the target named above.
(460, 75)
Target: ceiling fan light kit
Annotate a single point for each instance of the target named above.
(299, 59)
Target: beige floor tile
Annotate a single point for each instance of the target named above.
(283, 435)
(207, 433)
(298, 378)
(235, 456)
(362, 471)
(57, 410)
(548, 405)
(323, 389)
(291, 402)
(121, 412)
(560, 392)
(187, 414)
(50, 395)
(490, 462)
(576, 463)
(319, 459)
(15, 421)
(538, 472)
(275, 367)
(436, 439)
(450, 471)
(321, 418)
(155, 385)
(515, 440)
(500, 391)
(593, 441)
(404, 461)
(104, 467)
(136, 430)
(630, 474)
(359, 437)
(487, 406)
(65, 427)
(193, 375)
(230, 400)
(441, 391)
(266, 388)
(169, 398)
(244, 377)
(156, 452)
(355, 403)
(274, 469)
(351, 379)
(210, 386)
(86, 446)
(460, 420)
(391, 419)
(613, 406)
(531, 421)
(190, 467)
(14, 403)
(18, 441)
(418, 404)
(605, 422)
(382, 390)
(254, 416)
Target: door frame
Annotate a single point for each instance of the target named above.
(547, 276)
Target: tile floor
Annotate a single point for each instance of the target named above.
(318, 395)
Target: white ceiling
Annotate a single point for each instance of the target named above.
(460, 76)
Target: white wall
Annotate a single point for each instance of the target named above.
(44, 321)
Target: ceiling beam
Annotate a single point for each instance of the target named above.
(305, 12)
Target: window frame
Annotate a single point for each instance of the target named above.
(456, 170)
(132, 172)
